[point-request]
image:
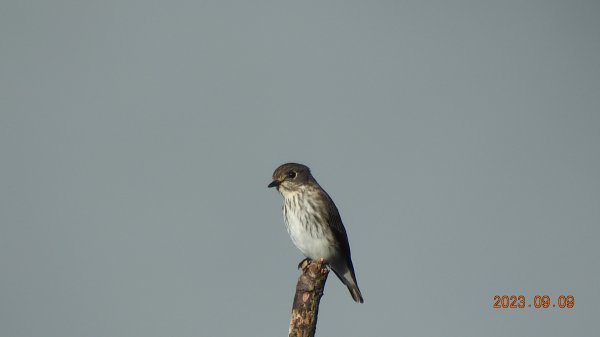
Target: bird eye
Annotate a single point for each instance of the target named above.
(291, 174)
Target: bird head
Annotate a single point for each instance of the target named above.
(291, 177)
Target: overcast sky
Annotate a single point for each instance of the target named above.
(459, 139)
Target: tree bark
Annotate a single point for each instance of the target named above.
(309, 291)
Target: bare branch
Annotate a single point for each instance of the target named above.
(309, 291)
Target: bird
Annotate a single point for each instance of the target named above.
(314, 223)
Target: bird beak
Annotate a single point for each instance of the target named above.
(274, 183)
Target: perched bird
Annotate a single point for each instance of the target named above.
(314, 223)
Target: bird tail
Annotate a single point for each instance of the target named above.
(346, 275)
(355, 292)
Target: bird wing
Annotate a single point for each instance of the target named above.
(335, 223)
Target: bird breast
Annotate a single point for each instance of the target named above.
(307, 225)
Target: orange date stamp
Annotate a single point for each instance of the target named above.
(539, 302)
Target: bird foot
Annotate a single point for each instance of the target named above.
(325, 268)
(304, 263)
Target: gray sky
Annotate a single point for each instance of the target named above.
(460, 141)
